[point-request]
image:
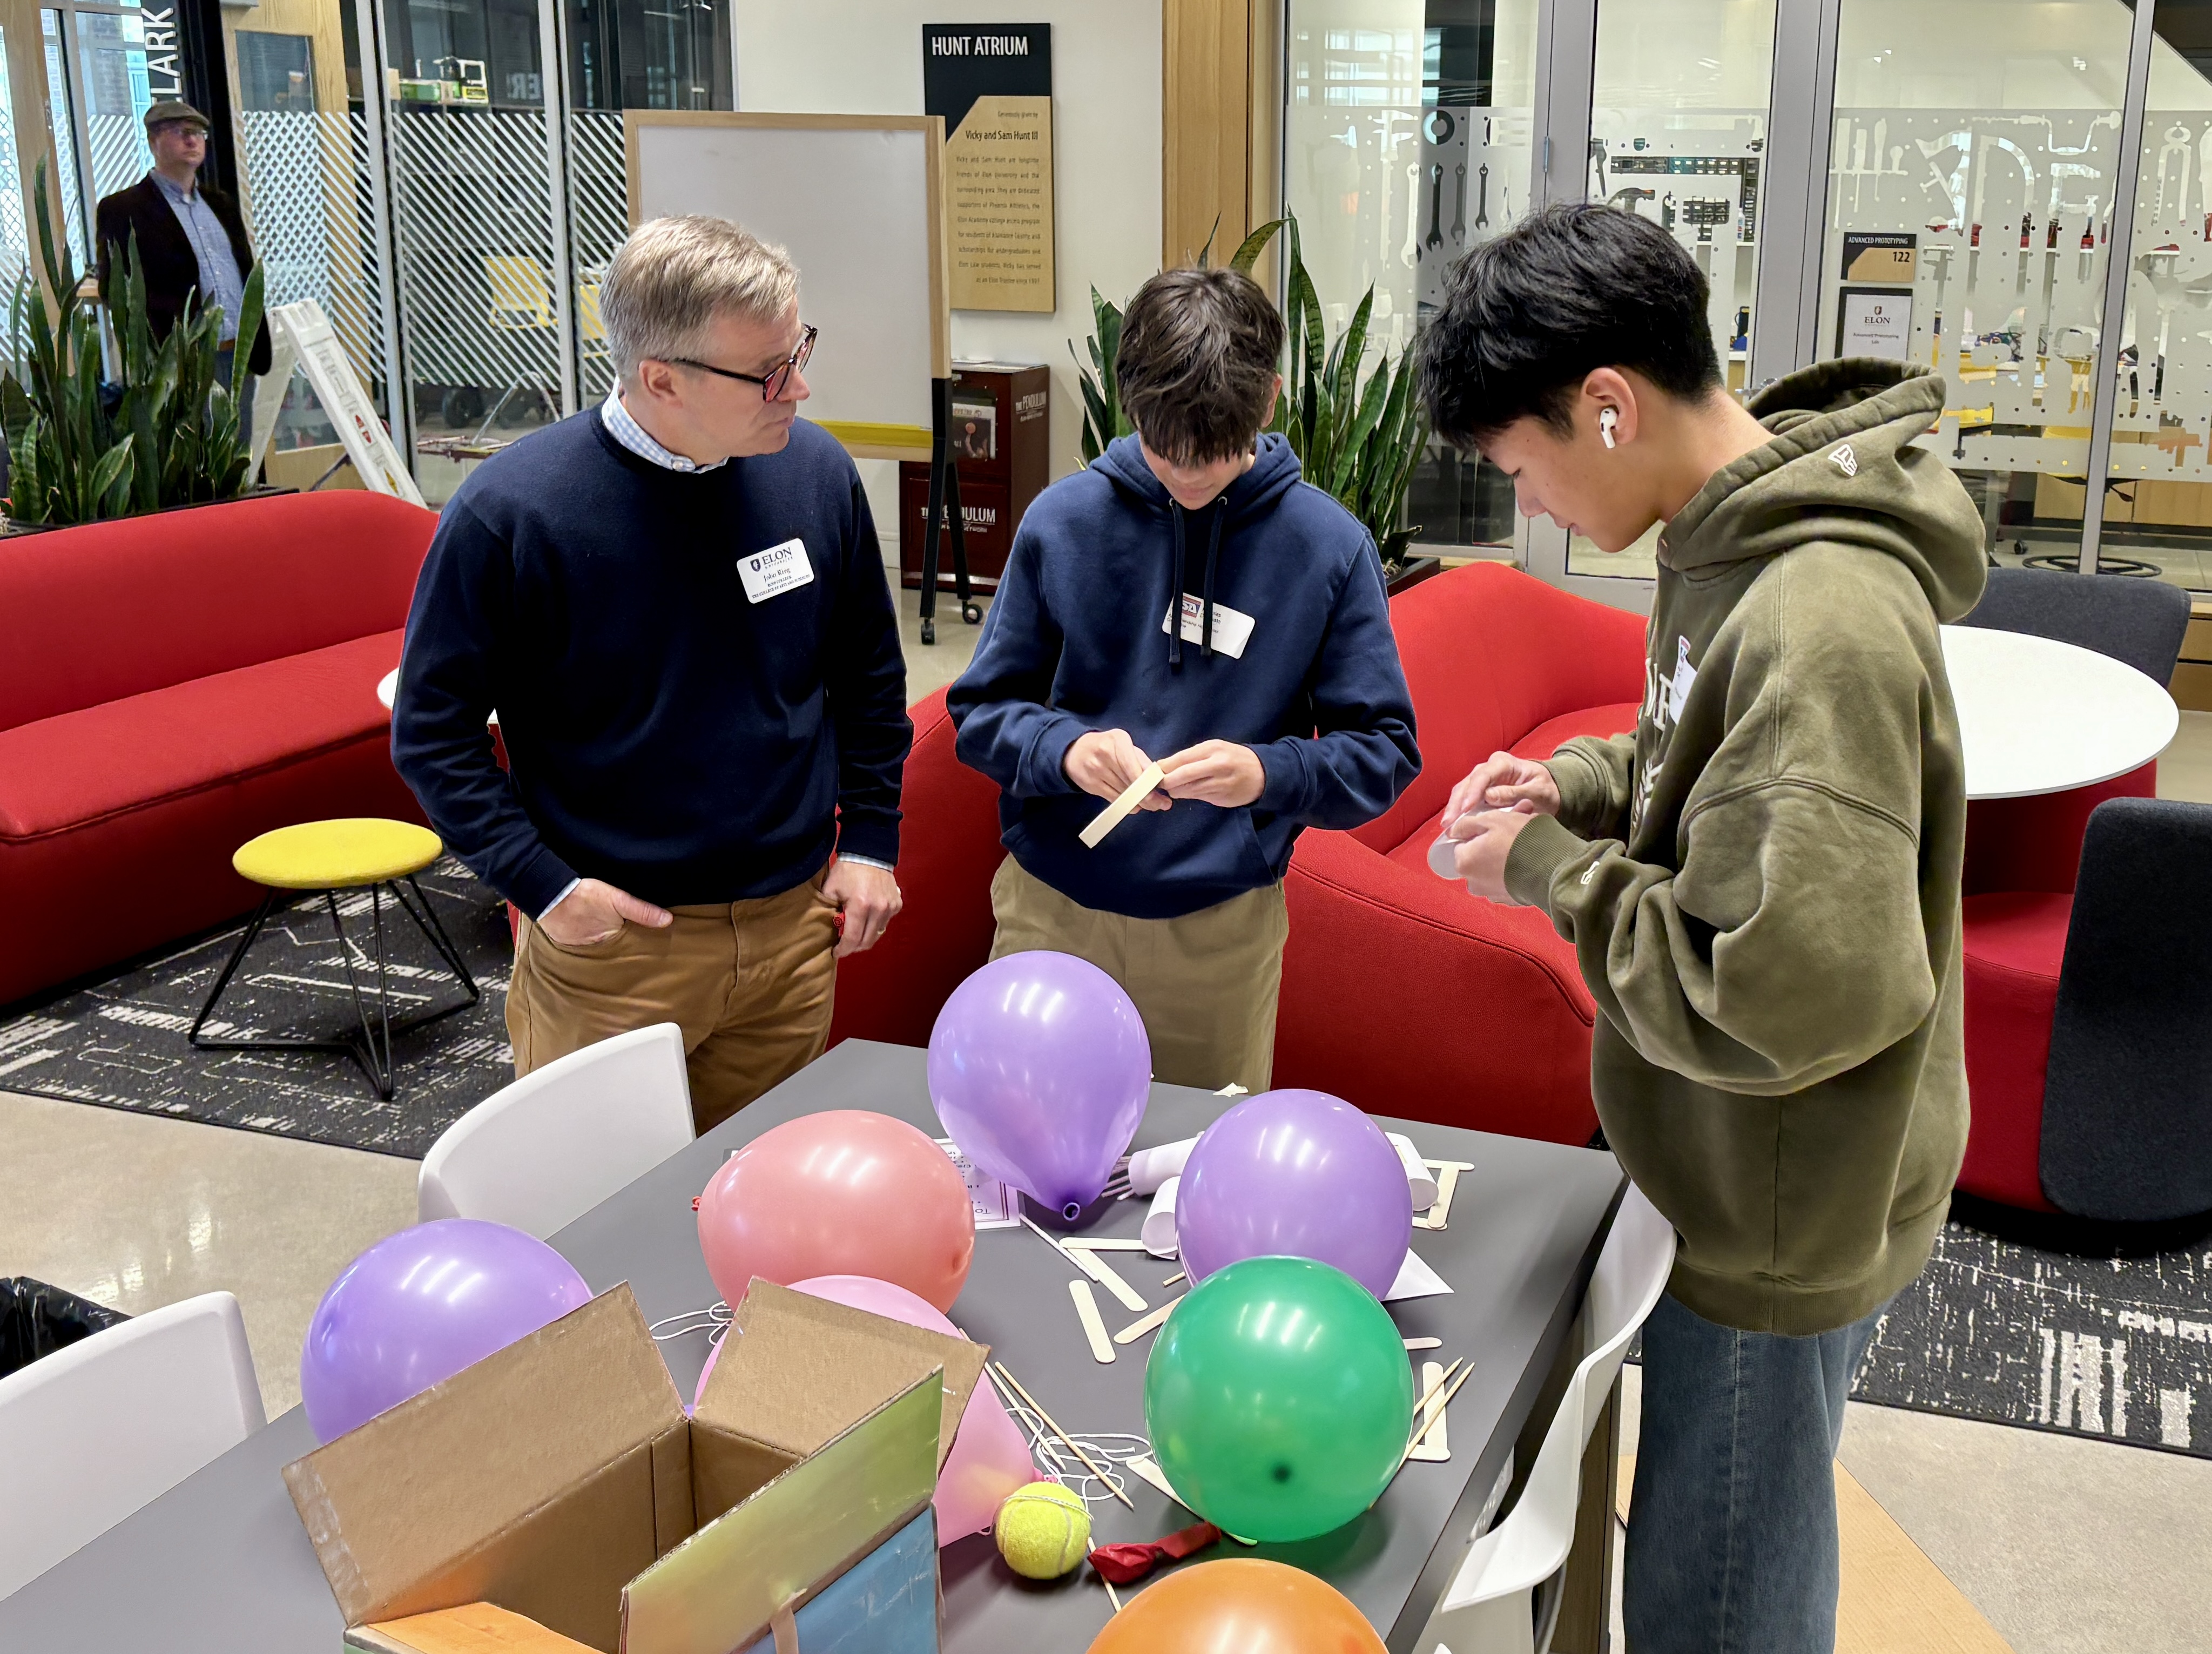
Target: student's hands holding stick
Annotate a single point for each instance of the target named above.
(1215, 772)
(1106, 763)
(1486, 812)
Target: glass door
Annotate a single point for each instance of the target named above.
(1408, 138)
(1678, 136)
(97, 98)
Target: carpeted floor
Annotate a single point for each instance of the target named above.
(121, 1043)
(2008, 1323)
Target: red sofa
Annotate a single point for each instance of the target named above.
(170, 686)
(1401, 992)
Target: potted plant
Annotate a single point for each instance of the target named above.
(166, 434)
(1358, 439)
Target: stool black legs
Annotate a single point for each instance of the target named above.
(372, 1047)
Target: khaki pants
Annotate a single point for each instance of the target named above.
(1206, 984)
(750, 983)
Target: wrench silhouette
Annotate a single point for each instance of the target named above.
(1459, 208)
(1482, 197)
(1411, 253)
(1436, 236)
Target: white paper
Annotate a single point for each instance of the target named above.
(1159, 1231)
(996, 1205)
(1420, 1182)
(1232, 629)
(1415, 1279)
(1150, 1168)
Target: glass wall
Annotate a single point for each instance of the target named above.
(1970, 195)
(2158, 488)
(1408, 138)
(1677, 135)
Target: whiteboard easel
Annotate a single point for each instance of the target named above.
(303, 331)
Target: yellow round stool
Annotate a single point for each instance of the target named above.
(325, 857)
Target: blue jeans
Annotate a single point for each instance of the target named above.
(222, 361)
(1732, 1525)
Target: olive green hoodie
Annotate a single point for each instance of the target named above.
(1762, 883)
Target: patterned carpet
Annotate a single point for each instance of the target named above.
(121, 1043)
(2010, 1322)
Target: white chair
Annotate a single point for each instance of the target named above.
(541, 1152)
(92, 1432)
(1491, 1605)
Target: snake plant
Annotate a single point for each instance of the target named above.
(79, 452)
(1358, 439)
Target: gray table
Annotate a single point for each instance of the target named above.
(220, 1564)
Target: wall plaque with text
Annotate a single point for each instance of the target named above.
(992, 84)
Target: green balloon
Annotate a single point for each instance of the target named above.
(1278, 1398)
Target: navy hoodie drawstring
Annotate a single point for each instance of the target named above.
(1213, 565)
(1174, 594)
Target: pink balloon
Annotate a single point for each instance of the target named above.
(990, 1458)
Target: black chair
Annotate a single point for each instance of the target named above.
(2140, 622)
(2127, 1096)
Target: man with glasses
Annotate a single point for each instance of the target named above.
(677, 605)
(190, 240)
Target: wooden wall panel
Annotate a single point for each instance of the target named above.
(1206, 116)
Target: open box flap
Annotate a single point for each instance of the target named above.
(392, 1505)
(790, 1539)
(796, 1370)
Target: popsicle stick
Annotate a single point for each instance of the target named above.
(1424, 1343)
(1428, 1442)
(1085, 1244)
(1049, 1240)
(1110, 1278)
(1447, 1173)
(1442, 1401)
(1136, 1329)
(1118, 811)
(1152, 1473)
(1094, 1329)
(1031, 1401)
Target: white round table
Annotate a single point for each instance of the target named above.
(2040, 716)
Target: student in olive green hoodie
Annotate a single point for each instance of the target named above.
(1761, 883)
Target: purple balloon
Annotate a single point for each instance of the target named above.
(420, 1306)
(1040, 1070)
(1295, 1174)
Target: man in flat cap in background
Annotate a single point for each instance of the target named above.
(190, 237)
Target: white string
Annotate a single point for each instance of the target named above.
(1062, 1466)
(712, 1320)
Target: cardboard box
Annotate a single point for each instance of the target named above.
(560, 1480)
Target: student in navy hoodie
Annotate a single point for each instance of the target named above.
(1277, 703)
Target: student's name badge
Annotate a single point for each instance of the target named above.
(1232, 630)
(1678, 690)
(776, 570)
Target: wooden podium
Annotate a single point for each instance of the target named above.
(1000, 439)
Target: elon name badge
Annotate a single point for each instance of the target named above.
(778, 569)
(1232, 629)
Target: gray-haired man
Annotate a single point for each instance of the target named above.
(677, 603)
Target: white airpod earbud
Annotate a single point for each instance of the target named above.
(1607, 419)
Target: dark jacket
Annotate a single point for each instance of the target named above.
(173, 270)
(1076, 641)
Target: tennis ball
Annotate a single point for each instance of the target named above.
(1043, 1530)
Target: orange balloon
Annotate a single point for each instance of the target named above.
(1242, 1606)
(842, 1193)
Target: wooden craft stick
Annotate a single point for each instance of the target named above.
(1447, 1173)
(1442, 1401)
(1031, 1401)
(1136, 1329)
(1151, 1473)
(1094, 1329)
(1106, 1275)
(1118, 811)
(1424, 1343)
(1110, 1595)
(1086, 1243)
(1428, 1442)
(1177, 1279)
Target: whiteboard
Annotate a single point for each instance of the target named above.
(855, 199)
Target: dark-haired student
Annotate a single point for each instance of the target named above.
(1187, 596)
(1761, 882)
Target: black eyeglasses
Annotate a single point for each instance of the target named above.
(778, 377)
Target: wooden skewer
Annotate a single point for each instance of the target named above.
(1089, 1463)
(1110, 1596)
(1177, 1279)
(1421, 1430)
(1435, 1385)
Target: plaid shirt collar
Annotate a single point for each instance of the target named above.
(632, 435)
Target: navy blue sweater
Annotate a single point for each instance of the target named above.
(664, 734)
(1074, 642)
